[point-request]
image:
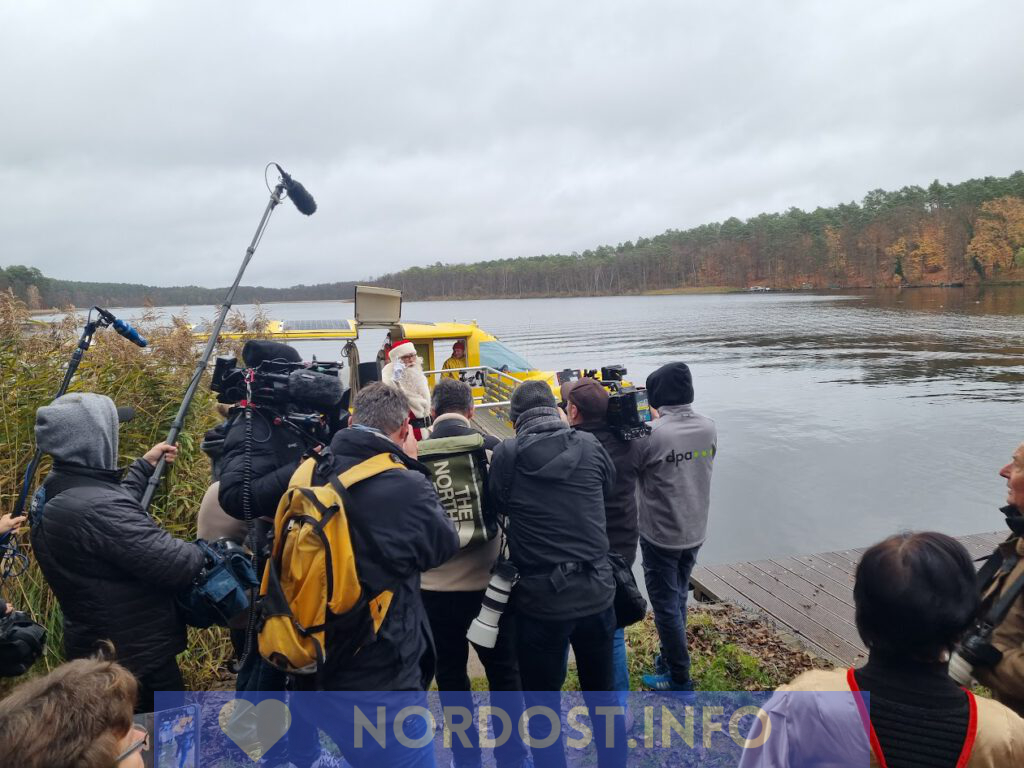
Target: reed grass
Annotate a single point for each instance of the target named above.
(153, 380)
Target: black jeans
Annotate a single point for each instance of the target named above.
(542, 646)
(450, 614)
(667, 574)
(166, 677)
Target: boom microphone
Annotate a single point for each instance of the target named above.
(297, 193)
(123, 328)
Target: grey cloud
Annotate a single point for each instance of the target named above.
(135, 134)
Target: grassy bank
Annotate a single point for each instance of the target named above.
(151, 380)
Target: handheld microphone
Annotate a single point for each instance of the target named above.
(297, 193)
(123, 328)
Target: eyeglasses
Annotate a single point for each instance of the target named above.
(137, 746)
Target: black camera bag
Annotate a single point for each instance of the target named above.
(630, 606)
(21, 643)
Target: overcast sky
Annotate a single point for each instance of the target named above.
(134, 134)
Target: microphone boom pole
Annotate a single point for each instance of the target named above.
(276, 196)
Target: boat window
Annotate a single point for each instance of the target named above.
(494, 354)
(443, 350)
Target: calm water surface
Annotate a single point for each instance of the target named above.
(841, 418)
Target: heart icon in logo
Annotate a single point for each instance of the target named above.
(255, 728)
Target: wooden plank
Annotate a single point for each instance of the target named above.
(840, 591)
(841, 571)
(809, 590)
(824, 642)
(847, 560)
(807, 607)
(488, 423)
(708, 587)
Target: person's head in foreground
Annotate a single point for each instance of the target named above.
(914, 596)
(78, 716)
(382, 409)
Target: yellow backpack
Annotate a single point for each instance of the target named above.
(311, 581)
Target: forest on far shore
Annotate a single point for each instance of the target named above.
(969, 232)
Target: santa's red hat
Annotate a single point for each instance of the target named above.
(401, 349)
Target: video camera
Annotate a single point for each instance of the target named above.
(278, 384)
(302, 396)
(629, 413)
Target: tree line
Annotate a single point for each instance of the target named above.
(943, 234)
(41, 292)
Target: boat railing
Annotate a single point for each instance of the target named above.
(497, 385)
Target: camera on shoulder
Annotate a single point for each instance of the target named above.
(629, 412)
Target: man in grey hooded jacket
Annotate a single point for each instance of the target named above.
(114, 571)
(673, 497)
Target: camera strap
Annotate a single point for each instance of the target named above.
(1006, 599)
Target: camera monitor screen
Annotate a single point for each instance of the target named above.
(643, 408)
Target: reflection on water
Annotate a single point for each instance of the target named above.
(842, 418)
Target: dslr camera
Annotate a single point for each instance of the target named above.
(629, 412)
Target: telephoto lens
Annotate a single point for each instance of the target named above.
(484, 629)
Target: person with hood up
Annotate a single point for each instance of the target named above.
(115, 572)
(550, 482)
(405, 373)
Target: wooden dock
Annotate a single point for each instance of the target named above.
(807, 596)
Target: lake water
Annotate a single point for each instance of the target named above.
(841, 418)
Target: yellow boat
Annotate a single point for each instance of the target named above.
(491, 368)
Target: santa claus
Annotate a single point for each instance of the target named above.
(405, 372)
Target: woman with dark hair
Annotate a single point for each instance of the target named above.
(914, 596)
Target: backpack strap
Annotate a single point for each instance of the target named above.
(373, 466)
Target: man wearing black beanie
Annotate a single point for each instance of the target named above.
(673, 497)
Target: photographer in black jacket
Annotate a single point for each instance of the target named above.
(257, 461)
(258, 479)
(586, 406)
(114, 571)
(552, 482)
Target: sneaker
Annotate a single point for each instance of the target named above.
(666, 683)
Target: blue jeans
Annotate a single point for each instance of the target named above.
(620, 667)
(667, 574)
